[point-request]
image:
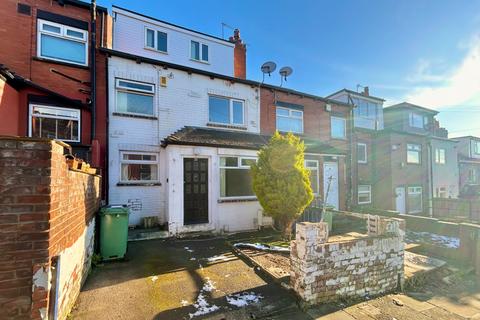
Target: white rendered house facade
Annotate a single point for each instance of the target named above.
(149, 102)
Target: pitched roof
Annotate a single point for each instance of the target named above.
(210, 137)
(359, 94)
(411, 106)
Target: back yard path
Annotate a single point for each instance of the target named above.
(165, 279)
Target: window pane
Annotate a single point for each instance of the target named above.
(204, 52)
(48, 128)
(413, 157)
(338, 128)
(75, 34)
(361, 153)
(150, 38)
(65, 113)
(161, 41)
(415, 202)
(363, 188)
(282, 112)
(64, 129)
(195, 50)
(219, 110)
(289, 124)
(229, 162)
(248, 162)
(134, 103)
(139, 172)
(136, 85)
(296, 114)
(235, 183)
(237, 112)
(62, 49)
(416, 120)
(50, 28)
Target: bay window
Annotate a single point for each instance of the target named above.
(226, 111)
(134, 97)
(139, 167)
(62, 43)
(289, 120)
(235, 177)
(54, 123)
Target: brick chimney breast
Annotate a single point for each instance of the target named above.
(239, 56)
(366, 91)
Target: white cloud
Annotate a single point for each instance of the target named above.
(458, 87)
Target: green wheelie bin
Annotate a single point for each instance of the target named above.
(113, 232)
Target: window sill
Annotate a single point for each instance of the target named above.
(362, 162)
(155, 50)
(233, 200)
(200, 61)
(62, 63)
(130, 115)
(340, 139)
(363, 203)
(226, 126)
(138, 184)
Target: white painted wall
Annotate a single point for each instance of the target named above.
(129, 36)
(223, 216)
(183, 102)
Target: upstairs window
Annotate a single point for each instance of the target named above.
(472, 176)
(55, 123)
(289, 120)
(62, 43)
(338, 127)
(235, 177)
(226, 111)
(312, 166)
(139, 167)
(414, 153)
(417, 120)
(134, 97)
(362, 153)
(440, 156)
(156, 40)
(476, 147)
(199, 51)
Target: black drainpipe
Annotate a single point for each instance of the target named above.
(93, 74)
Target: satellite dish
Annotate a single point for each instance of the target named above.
(268, 67)
(284, 73)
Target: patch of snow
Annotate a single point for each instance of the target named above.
(208, 286)
(260, 246)
(193, 259)
(432, 238)
(243, 299)
(188, 249)
(202, 306)
(154, 278)
(184, 303)
(218, 258)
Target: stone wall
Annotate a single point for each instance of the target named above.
(323, 271)
(46, 228)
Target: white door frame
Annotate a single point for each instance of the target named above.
(402, 204)
(336, 201)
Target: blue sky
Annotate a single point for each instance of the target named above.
(424, 52)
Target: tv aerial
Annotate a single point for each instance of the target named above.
(267, 68)
(284, 73)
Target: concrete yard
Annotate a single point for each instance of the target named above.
(163, 279)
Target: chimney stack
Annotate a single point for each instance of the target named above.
(366, 91)
(239, 56)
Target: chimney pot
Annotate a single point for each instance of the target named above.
(366, 91)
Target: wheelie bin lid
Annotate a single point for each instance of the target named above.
(114, 209)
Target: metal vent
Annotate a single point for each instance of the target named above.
(24, 9)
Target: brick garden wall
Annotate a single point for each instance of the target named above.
(46, 219)
(323, 271)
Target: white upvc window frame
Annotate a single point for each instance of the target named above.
(238, 167)
(200, 53)
(365, 153)
(414, 149)
(230, 111)
(441, 191)
(121, 88)
(411, 120)
(476, 147)
(62, 35)
(416, 190)
(155, 40)
(149, 162)
(344, 120)
(290, 116)
(314, 167)
(472, 176)
(369, 193)
(438, 158)
(77, 111)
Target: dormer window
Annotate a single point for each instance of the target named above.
(62, 43)
(476, 147)
(417, 120)
(199, 51)
(156, 40)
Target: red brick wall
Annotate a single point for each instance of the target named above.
(9, 100)
(316, 120)
(44, 208)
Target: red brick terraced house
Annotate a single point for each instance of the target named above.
(49, 71)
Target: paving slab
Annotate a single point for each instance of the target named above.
(454, 306)
(413, 303)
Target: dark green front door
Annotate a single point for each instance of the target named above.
(195, 190)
